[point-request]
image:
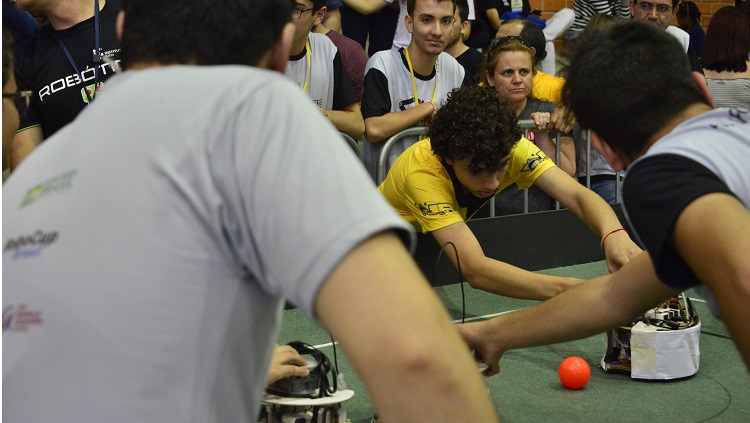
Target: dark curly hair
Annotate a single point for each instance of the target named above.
(475, 124)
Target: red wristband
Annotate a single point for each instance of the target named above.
(604, 238)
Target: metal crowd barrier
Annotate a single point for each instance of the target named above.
(352, 143)
(383, 157)
(525, 124)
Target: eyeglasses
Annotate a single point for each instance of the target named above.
(297, 13)
(497, 42)
(21, 99)
(661, 9)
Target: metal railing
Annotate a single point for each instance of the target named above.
(352, 143)
(385, 151)
(525, 124)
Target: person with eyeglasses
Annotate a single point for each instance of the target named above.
(405, 88)
(661, 13)
(316, 67)
(64, 64)
(473, 151)
(352, 54)
(687, 195)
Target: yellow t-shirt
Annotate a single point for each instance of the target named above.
(422, 191)
(547, 87)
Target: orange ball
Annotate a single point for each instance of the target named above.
(574, 372)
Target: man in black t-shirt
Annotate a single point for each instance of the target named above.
(63, 67)
(686, 195)
(471, 59)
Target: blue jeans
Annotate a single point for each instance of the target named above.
(606, 190)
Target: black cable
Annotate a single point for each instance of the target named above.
(335, 357)
(718, 335)
(326, 389)
(729, 399)
(460, 276)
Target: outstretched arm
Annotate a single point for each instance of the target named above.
(493, 275)
(608, 301)
(593, 211)
(712, 235)
(400, 338)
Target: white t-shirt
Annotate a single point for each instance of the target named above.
(448, 74)
(319, 75)
(681, 36)
(148, 246)
(402, 37)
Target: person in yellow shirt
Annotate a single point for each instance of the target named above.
(473, 151)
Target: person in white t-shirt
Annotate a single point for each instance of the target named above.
(149, 246)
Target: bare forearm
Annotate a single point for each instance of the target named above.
(504, 279)
(584, 310)
(348, 122)
(494, 17)
(568, 155)
(567, 151)
(23, 144)
(594, 212)
(427, 374)
(379, 128)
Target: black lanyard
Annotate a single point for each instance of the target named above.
(97, 54)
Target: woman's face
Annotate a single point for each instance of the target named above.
(512, 76)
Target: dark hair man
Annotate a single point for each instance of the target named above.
(686, 194)
(316, 66)
(470, 58)
(153, 243)
(474, 151)
(405, 88)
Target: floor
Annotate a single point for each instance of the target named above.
(528, 388)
